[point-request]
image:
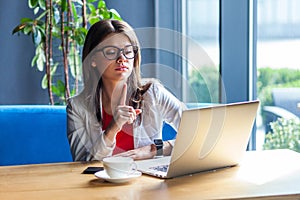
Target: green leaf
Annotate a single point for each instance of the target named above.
(91, 1)
(93, 20)
(44, 83)
(75, 63)
(55, 90)
(40, 62)
(68, 28)
(115, 14)
(56, 32)
(42, 4)
(79, 35)
(60, 86)
(37, 37)
(104, 14)
(42, 32)
(101, 4)
(33, 61)
(28, 30)
(39, 52)
(53, 69)
(26, 20)
(59, 89)
(91, 7)
(73, 92)
(64, 5)
(36, 10)
(74, 12)
(32, 3)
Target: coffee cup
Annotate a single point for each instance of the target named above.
(119, 167)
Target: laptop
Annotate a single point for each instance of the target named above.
(207, 139)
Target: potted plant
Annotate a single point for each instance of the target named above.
(285, 135)
(60, 27)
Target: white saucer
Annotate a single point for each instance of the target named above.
(103, 175)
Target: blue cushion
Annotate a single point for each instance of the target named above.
(32, 134)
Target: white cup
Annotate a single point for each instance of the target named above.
(119, 167)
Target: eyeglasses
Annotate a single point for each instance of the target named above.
(113, 52)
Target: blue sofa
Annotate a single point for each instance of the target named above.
(33, 134)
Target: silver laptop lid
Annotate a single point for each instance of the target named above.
(212, 137)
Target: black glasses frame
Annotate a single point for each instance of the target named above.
(134, 48)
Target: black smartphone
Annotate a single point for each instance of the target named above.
(92, 170)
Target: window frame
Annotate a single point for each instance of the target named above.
(237, 39)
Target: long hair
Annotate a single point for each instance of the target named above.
(91, 77)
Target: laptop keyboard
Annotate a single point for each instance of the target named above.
(161, 168)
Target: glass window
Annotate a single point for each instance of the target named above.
(202, 51)
(278, 60)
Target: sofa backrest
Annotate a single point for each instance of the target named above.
(33, 134)
(287, 98)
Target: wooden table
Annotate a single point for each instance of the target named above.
(262, 175)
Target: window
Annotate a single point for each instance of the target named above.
(202, 50)
(228, 27)
(278, 47)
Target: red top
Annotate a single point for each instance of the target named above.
(124, 138)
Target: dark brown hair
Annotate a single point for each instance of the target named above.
(92, 79)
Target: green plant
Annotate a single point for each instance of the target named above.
(204, 84)
(285, 135)
(268, 78)
(60, 26)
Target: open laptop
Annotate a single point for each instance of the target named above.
(207, 139)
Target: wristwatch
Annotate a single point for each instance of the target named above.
(159, 146)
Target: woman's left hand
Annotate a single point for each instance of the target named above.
(141, 153)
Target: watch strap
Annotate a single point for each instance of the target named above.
(159, 146)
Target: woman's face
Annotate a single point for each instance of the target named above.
(112, 64)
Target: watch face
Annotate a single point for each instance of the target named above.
(158, 141)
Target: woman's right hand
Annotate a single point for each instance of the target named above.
(121, 115)
(124, 113)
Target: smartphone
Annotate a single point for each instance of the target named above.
(92, 170)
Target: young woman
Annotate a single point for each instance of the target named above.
(115, 114)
